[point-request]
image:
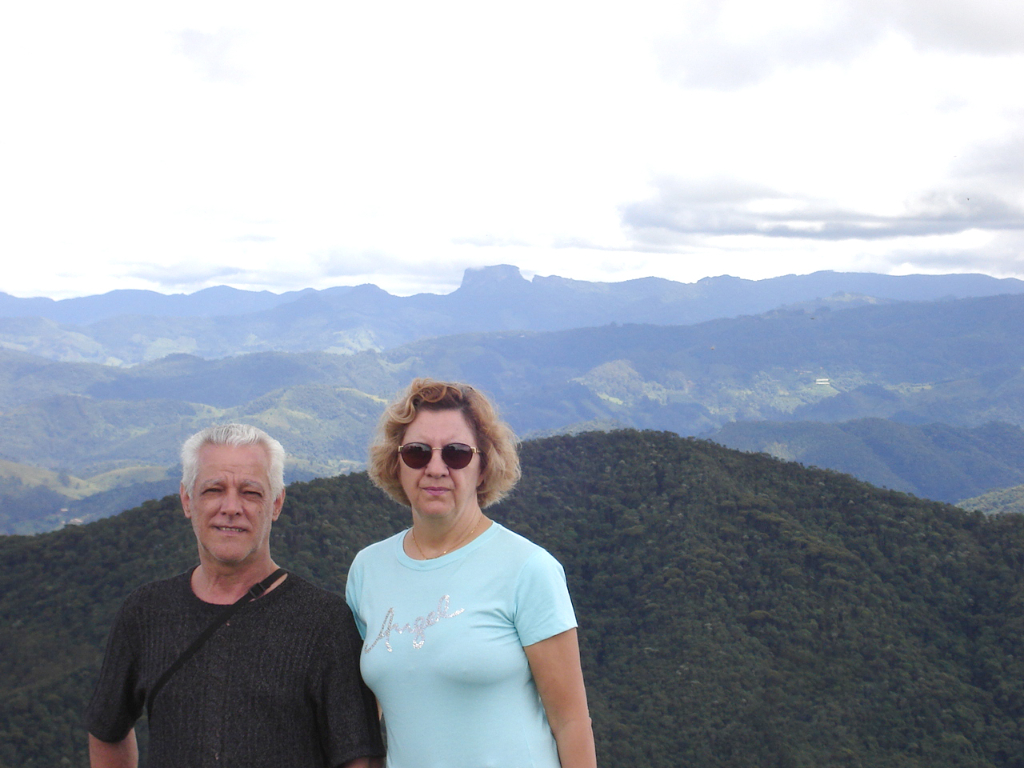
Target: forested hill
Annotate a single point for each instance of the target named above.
(734, 609)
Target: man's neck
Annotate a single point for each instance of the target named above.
(222, 584)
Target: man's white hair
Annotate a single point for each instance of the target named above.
(235, 435)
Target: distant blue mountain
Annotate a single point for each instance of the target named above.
(222, 322)
(209, 302)
(503, 287)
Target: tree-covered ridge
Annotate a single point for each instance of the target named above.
(762, 613)
(734, 609)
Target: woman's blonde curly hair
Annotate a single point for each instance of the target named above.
(499, 447)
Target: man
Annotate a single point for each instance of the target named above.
(277, 682)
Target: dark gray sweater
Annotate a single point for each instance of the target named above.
(278, 685)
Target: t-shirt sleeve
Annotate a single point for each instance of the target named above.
(543, 607)
(353, 592)
(116, 701)
(349, 718)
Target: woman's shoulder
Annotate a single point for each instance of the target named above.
(518, 546)
(378, 548)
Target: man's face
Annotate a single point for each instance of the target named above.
(231, 507)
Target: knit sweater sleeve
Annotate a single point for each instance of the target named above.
(117, 700)
(349, 723)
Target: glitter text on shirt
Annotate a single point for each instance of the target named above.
(418, 628)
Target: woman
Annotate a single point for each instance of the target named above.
(469, 634)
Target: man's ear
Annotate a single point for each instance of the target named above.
(278, 504)
(186, 501)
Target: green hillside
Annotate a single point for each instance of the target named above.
(1000, 502)
(958, 363)
(935, 461)
(735, 610)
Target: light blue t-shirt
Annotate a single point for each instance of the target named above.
(443, 649)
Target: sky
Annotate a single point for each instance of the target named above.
(279, 146)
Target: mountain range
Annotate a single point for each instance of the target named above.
(908, 387)
(130, 327)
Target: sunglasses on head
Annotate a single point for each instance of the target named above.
(454, 455)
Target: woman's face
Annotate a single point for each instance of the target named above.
(436, 490)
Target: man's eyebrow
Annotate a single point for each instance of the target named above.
(253, 485)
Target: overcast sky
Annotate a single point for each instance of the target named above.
(175, 146)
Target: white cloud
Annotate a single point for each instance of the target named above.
(209, 51)
(735, 43)
(172, 147)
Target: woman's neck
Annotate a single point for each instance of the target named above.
(426, 541)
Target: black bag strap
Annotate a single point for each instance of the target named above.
(255, 591)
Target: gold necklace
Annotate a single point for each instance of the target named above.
(444, 551)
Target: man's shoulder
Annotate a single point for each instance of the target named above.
(155, 601)
(162, 589)
(304, 594)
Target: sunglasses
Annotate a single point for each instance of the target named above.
(454, 455)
